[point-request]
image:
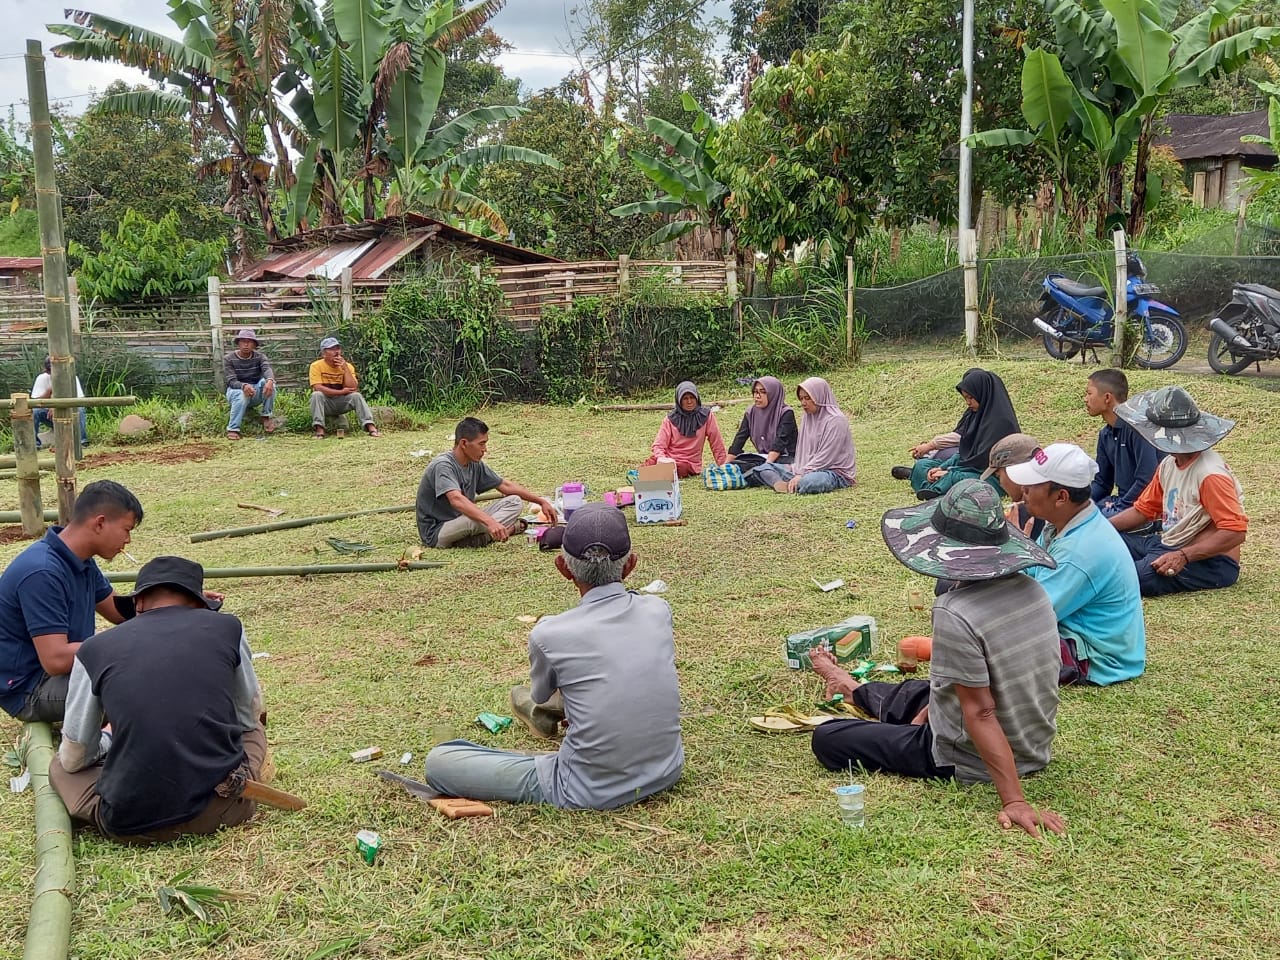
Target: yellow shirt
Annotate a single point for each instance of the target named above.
(322, 371)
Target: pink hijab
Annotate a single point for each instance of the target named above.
(825, 440)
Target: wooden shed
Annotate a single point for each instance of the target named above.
(1213, 156)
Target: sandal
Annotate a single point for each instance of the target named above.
(268, 425)
(372, 431)
(787, 720)
(318, 433)
(233, 434)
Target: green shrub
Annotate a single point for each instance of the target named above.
(146, 259)
(808, 338)
(439, 341)
(656, 334)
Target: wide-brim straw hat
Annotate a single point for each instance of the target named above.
(963, 535)
(1171, 422)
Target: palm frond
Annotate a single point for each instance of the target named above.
(466, 24)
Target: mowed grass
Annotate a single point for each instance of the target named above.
(1168, 784)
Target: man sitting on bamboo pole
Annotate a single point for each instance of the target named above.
(48, 597)
(447, 512)
(178, 685)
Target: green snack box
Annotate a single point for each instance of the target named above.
(368, 843)
(850, 639)
(493, 722)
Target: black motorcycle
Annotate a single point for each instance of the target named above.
(1246, 330)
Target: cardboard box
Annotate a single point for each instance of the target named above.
(657, 494)
(849, 640)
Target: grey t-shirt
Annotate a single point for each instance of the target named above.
(444, 473)
(1001, 634)
(613, 660)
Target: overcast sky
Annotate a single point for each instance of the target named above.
(537, 29)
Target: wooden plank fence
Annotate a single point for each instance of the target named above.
(184, 340)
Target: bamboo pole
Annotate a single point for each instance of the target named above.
(1120, 319)
(8, 461)
(13, 516)
(66, 434)
(309, 521)
(65, 403)
(49, 927)
(633, 407)
(306, 570)
(28, 466)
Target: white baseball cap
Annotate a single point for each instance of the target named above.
(1060, 463)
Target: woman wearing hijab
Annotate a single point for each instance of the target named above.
(825, 457)
(988, 420)
(770, 425)
(682, 434)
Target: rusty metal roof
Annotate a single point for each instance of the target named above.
(21, 263)
(1198, 138)
(371, 248)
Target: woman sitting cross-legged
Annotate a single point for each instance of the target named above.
(988, 419)
(770, 425)
(684, 432)
(825, 456)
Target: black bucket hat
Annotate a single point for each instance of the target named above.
(1171, 422)
(176, 572)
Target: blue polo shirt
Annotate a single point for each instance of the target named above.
(1094, 591)
(46, 589)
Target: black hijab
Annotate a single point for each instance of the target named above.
(994, 419)
(691, 422)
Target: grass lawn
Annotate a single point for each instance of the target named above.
(1168, 784)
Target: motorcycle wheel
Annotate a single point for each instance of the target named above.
(1064, 349)
(1223, 359)
(1168, 343)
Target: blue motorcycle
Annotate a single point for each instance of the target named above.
(1076, 317)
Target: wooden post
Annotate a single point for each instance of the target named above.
(848, 307)
(28, 465)
(73, 304)
(624, 274)
(66, 420)
(731, 291)
(969, 261)
(1198, 188)
(568, 291)
(1240, 222)
(1119, 332)
(215, 332)
(348, 307)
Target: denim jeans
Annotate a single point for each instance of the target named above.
(815, 481)
(240, 403)
(461, 768)
(1207, 574)
(43, 416)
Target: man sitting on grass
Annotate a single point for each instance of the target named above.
(49, 595)
(1126, 461)
(987, 711)
(612, 661)
(1194, 494)
(178, 685)
(1094, 589)
(446, 508)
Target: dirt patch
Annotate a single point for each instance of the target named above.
(187, 453)
(13, 534)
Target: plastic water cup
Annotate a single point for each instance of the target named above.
(610, 498)
(851, 798)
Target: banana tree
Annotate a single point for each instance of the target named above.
(1114, 62)
(220, 76)
(691, 194)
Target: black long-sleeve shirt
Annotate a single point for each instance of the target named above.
(784, 443)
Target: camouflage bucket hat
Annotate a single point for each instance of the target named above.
(1171, 422)
(961, 536)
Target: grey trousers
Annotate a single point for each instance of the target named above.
(465, 532)
(460, 768)
(323, 407)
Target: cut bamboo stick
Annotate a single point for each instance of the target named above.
(49, 926)
(305, 570)
(15, 516)
(632, 407)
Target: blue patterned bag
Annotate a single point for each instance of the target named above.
(728, 477)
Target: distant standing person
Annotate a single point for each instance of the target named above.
(1126, 461)
(250, 383)
(335, 390)
(42, 388)
(685, 431)
(447, 512)
(770, 425)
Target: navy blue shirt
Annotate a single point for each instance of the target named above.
(46, 589)
(1126, 463)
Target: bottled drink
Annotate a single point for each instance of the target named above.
(851, 797)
